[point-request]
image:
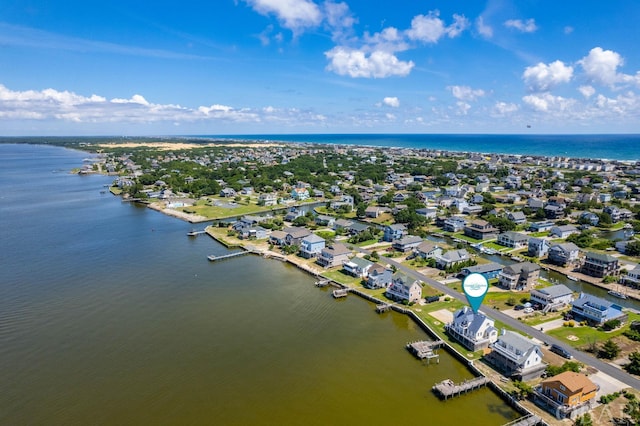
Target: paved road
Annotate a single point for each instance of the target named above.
(583, 357)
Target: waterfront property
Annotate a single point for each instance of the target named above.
(595, 310)
(428, 250)
(488, 270)
(403, 288)
(516, 356)
(563, 254)
(378, 277)
(537, 247)
(600, 265)
(552, 298)
(358, 267)
(513, 239)
(473, 330)
(311, 246)
(334, 255)
(454, 224)
(632, 278)
(394, 232)
(295, 235)
(451, 258)
(480, 229)
(563, 231)
(566, 395)
(519, 276)
(407, 243)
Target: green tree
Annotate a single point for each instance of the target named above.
(609, 350)
(634, 365)
(584, 420)
(632, 409)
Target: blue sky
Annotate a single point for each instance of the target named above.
(309, 66)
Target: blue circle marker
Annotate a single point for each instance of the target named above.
(475, 287)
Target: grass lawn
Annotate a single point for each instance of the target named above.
(586, 334)
(342, 278)
(213, 212)
(465, 238)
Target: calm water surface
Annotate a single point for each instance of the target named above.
(110, 315)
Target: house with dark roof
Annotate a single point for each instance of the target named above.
(519, 276)
(600, 265)
(542, 226)
(406, 243)
(481, 230)
(566, 395)
(334, 255)
(378, 277)
(403, 288)
(394, 232)
(595, 310)
(516, 356)
(488, 270)
(295, 235)
(563, 254)
(473, 330)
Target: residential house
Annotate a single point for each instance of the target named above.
(488, 270)
(632, 278)
(227, 192)
(563, 231)
(407, 243)
(600, 265)
(537, 247)
(543, 226)
(356, 228)
(325, 220)
(519, 276)
(278, 238)
(427, 212)
(473, 330)
(357, 266)
(535, 204)
(375, 211)
(253, 233)
(341, 224)
(516, 356)
(517, 217)
(378, 277)
(552, 298)
(334, 255)
(480, 230)
(311, 245)
(293, 214)
(394, 232)
(300, 194)
(513, 239)
(566, 395)
(595, 310)
(553, 212)
(472, 209)
(428, 250)
(269, 199)
(563, 254)
(452, 258)
(454, 224)
(295, 235)
(613, 212)
(590, 218)
(403, 288)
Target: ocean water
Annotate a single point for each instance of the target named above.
(111, 315)
(612, 147)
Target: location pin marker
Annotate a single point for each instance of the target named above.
(475, 287)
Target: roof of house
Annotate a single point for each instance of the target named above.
(336, 249)
(297, 232)
(556, 290)
(472, 321)
(574, 382)
(565, 247)
(313, 238)
(360, 262)
(409, 239)
(515, 236)
(456, 255)
(517, 268)
(602, 257)
(427, 246)
(516, 344)
(484, 267)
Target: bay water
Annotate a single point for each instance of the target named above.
(111, 315)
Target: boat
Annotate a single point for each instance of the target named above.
(572, 278)
(617, 294)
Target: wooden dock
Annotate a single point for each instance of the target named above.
(383, 307)
(195, 233)
(425, 349)
(226, 256)
(322, 283)
(447, 388)
(530, 420)
(340, 292)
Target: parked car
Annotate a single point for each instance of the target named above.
(560, 351)
(518, 307)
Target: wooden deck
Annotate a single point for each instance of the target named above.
(340, 292)
(447, 388)
(322, 283)
(425, 349)
(529, 420)
(383, 307)
(227, 256)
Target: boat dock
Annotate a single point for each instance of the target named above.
(340, 292)
(447, 388)
(226, 256)
(322, 283)
(194, 233)
(529, 420)
(424, 349)
(383, 307)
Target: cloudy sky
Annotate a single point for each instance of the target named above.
(70, 67)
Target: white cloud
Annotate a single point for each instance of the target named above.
(356, 63)
(295, 15)
(546, 102)
(391, 101)
(466, 93)
(528, 26)
(463, 108)
(483, 29)
(389, 39)
(587, 91)
(338, 18)
(504, 108)
(601, 67)
(542, 77)
(430, 28)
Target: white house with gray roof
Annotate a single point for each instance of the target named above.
(516, 356)
(452, 257)
(357, 266)
(473, 330)
(552, 298)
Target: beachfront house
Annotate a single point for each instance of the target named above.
(537, 247)
(473, 330)
(480, 229)
(357, 266)
(552, 298)
(334, 255)
(488, 270)
(595, 310)
(600, 265)
(563, 254)
(378, 277)
(566, 395)
(311, 245)
(404, 289)
(516, 356)
(513, 239)
(519, 276)
(406, 243)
